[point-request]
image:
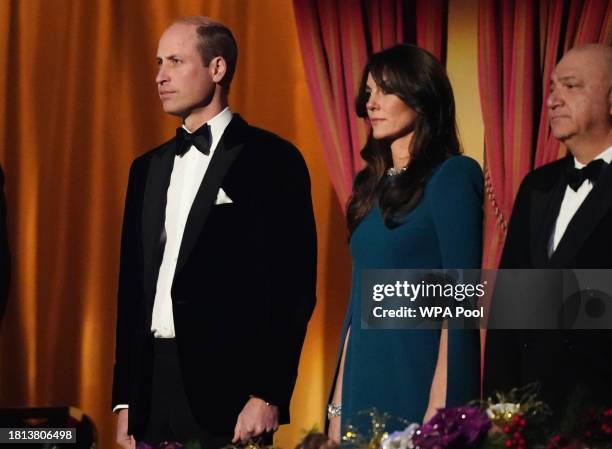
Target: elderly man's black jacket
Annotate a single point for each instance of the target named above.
(559, 360)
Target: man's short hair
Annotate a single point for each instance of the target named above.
(214, 39)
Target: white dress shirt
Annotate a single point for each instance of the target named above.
(187, 174)
(572, 200)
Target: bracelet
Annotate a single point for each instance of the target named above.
(334, 410)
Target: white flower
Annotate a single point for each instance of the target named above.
(503, 409)
(400, 439)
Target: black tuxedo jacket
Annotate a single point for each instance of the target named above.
(559, 360)
(244, 286)
(4, 251)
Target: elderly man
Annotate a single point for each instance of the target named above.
(218, 262)
(562, 218)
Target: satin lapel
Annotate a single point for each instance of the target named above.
(227, 150)
(587, 217)
(154, 212)
(546, 207)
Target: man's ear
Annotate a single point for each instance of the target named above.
(218, 69)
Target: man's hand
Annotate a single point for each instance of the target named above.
(255, 418)
(123, 439)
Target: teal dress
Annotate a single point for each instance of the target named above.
(392, 370)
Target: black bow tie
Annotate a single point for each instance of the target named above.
(201, 139)
(576, 176)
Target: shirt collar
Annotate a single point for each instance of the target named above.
(606, 155)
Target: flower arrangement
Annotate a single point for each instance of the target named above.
(513, 420)
(453, 428)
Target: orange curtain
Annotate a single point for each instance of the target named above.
(519, 44)
(77, 103)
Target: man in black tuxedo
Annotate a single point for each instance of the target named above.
(562, 218)
(218, 262)
(4, 251)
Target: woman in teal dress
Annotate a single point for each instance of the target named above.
(416, 204)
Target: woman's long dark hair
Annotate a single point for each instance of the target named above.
(419, 80)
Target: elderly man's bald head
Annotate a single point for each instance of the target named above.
(599, 54)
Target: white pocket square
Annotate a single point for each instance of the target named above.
(222, 197)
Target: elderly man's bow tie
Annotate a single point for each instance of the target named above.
(576, 176)
(201, 139)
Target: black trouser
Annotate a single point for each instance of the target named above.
(171, 418)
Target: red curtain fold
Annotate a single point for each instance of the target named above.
(606, 28)
(385, 25)
(332, 71)
(431, 25)
(519, 44)
(547, 149)
(594, 16)
(336, 39)
(506, 44)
